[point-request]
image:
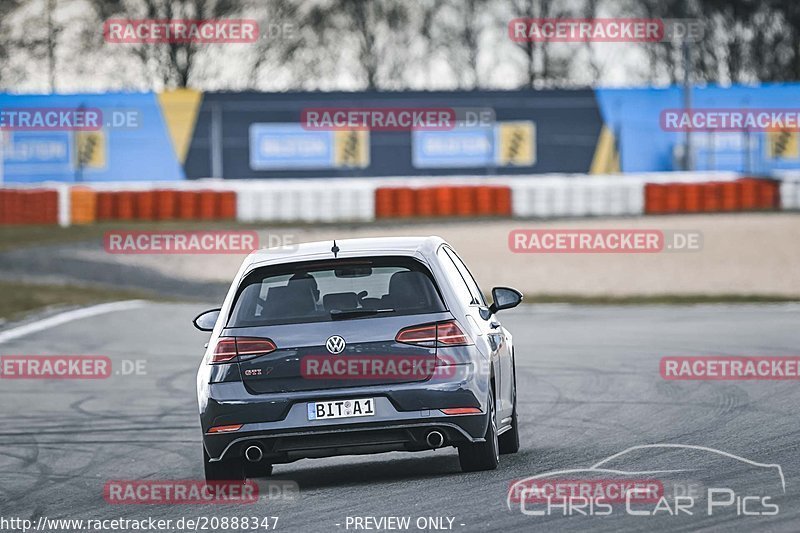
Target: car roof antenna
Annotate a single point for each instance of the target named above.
(334, 248)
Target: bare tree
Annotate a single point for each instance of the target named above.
(7, 7)
(455, 29)
(544, 67)
(38, 42)
(388, 44)
(743, 40)
(369, 28)
(168, 64)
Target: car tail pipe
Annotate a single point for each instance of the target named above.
(435, 439)
(253, 453)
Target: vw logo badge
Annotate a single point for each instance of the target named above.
(335, 344)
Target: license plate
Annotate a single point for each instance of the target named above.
(341, 409)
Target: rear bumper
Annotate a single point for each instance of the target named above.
(287, 446)
(404, 415)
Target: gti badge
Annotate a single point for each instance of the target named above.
(335, 344)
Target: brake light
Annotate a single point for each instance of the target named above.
(248, 347)
(418, 335)
(449, 334)
(434, 335)
(228, 349)
(225, 350)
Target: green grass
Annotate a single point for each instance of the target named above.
(658, 299)
(12, 237)
(19, 299)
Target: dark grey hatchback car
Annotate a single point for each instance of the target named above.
(353, 347)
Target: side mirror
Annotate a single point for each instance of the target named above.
(504, 298)
(205, 321)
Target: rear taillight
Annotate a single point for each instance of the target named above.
(230, 349)
(418, 335)
(225, 350)
(434, 335)
(248, 348)
(449, 334)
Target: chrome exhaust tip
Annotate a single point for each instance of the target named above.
(253, 454)
(435, 439)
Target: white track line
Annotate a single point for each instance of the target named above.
(68, 316)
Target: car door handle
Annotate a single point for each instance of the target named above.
(494, 325)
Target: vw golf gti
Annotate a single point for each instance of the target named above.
(356, 347)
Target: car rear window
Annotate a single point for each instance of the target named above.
(335, 290)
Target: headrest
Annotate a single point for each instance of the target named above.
(292, 300)
(340, 300)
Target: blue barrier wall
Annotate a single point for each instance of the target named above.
(633, 116)
(247, 135)
(562, 129)
(132, 144)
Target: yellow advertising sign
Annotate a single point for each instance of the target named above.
(90, 149)
(783, 145)
(517, 143)
(351, 148)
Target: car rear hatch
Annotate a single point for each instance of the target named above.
(370, 355)
(335, 324)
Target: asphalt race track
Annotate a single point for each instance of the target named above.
(589, 387)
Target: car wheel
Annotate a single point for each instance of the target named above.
(482, 455)
(225, 470)
(509, 440)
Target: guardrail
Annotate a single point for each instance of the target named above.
(29, 206)
(364, 200)
(746, 194)
(443, 201)
(790, 194)
(88, 205)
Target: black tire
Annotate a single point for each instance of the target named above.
(229, 469)
(482, 455)
(509, 440)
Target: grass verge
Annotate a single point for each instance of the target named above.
(12, 237)
(658, 299)
(21, 298)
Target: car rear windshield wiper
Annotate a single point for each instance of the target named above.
(339, 314)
